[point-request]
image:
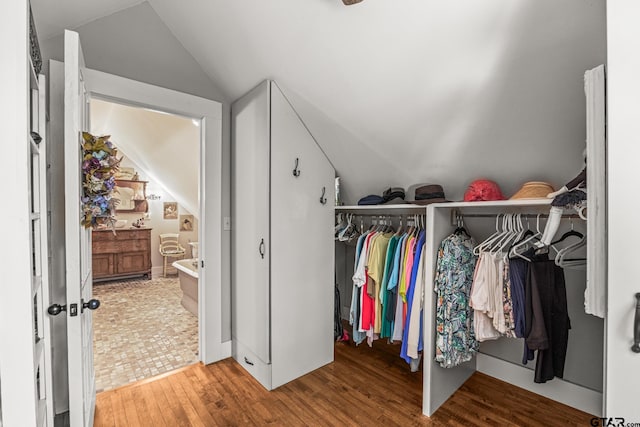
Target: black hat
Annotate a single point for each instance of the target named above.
(428, 193)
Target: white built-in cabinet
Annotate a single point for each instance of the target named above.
(582, 386)
(282, 241)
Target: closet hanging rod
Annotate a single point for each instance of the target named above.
(456, 214)
(382, 215)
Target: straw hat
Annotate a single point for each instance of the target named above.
(533, 190)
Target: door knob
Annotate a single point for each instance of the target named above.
(92, 304)
(55, 309)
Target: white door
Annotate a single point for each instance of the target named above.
(623, 99)
(82, 389)
(25, 346)
(302, 265)
(250, 210)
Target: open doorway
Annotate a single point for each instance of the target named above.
(146, 273)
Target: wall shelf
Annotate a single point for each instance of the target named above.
(139, 198)
(402, 209)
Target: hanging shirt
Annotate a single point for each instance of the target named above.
(415, 322)
(455, 272)
(408, 264)
(354, 311)
(394, 279)
(366, 303)
(410, 297)
(496, 287)
(375, 270)
(518, 275)
(386, 328)
(405, 281)
(482, 298)
(507, 301)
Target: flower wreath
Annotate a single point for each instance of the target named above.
(99, 166)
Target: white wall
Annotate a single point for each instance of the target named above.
(155, 219)
(135, 43)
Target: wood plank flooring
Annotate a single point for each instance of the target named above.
(364, 386)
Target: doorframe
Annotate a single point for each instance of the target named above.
(210, 272)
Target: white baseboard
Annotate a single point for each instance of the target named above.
(156, 272)
(576, 396)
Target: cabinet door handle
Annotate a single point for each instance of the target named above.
(261, 248)
(323, 199)
(296, 171)
(636, 327)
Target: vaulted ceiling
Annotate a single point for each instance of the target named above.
(399, 92)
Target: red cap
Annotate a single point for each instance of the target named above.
(483, 190)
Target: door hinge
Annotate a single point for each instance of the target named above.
(73, 310)
(202, 263)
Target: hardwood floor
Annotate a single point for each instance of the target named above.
(363, 386)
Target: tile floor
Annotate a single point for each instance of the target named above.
(141, 330)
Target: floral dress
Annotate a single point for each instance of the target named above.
(455, 339)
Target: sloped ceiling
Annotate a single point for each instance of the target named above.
(166, 147)
(423, 90)
(400, 92)
(55, 17)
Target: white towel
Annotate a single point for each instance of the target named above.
(125, 195)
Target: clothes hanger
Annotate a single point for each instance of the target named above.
(348, 232)
(340, 224)
(460, 226)
(507, 231)
(561, 259)
(354, 234)
(528, 238)
(513, 231)
(390, 228)
(374, 224)
(489, 240)
(399, 230)
(568, 234)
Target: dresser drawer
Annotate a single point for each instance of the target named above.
(104, 247)
(123, 254)
(120, 235)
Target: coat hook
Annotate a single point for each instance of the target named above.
(323, 199)
(296, 171)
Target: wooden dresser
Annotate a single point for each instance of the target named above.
(124, 254)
